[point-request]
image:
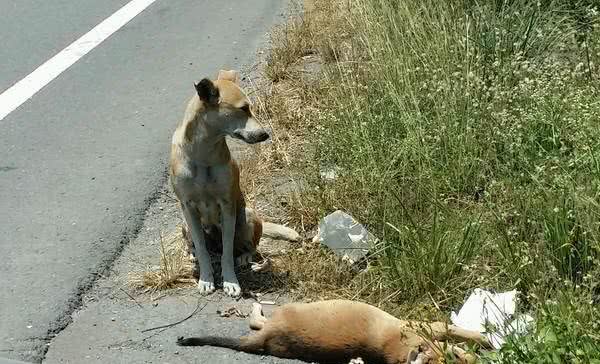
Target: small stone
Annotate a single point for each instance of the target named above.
(329, 174)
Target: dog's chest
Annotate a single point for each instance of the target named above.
(212, 183)
(212, 189)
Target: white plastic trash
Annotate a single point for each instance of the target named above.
(345, 236)
(484, 310)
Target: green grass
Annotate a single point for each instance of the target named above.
(566, 331)
(467, 134)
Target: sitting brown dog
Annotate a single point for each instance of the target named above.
(206, 179)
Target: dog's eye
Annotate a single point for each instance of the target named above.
(245, 108)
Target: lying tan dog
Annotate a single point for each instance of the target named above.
(337, 331)
(205, 177)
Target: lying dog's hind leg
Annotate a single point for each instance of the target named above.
(444, 332)
(257, 319)
(246, 260)
(261, 267)
(248, 233)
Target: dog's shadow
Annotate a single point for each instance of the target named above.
(265, 281)
(269, 281)
(252, 282)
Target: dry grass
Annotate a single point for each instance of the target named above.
(322, 28)
(176, 268)
(289, 101)
(248, 182)
(291, 43)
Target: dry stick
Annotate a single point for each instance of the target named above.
(180, 321)
(273, 302)
(434, 302)
(389, 297)
(130, 296)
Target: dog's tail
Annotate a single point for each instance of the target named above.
(276, 231)
(248, 344)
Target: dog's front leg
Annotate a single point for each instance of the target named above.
(231, 285)
(206, 282)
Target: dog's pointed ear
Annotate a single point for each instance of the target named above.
(231, 75)
(207, 91)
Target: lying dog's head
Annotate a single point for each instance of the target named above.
(228, 110)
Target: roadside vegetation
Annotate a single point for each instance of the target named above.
(466, 136)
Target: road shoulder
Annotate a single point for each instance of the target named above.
(109, 327)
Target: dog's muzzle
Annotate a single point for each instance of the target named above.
(251, 137)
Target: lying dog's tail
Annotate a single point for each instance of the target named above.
(246, 343)
(276, 231)
(224, 342)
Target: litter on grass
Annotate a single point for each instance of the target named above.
(492, 314)
(345, 236)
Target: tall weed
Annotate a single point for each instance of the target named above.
(467, 135)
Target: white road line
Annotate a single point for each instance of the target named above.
(24, 89)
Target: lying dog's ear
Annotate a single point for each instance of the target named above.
(229, 76)
(207, 91)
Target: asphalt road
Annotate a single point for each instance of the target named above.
(82, 159)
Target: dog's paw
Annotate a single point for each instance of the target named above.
(206, 287)
(232, 288)
(181, 341)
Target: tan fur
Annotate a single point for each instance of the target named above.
(205, 177)
(336, 331)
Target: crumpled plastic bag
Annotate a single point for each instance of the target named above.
(345, 236)
(484, 310)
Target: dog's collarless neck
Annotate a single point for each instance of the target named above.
(206, 154)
